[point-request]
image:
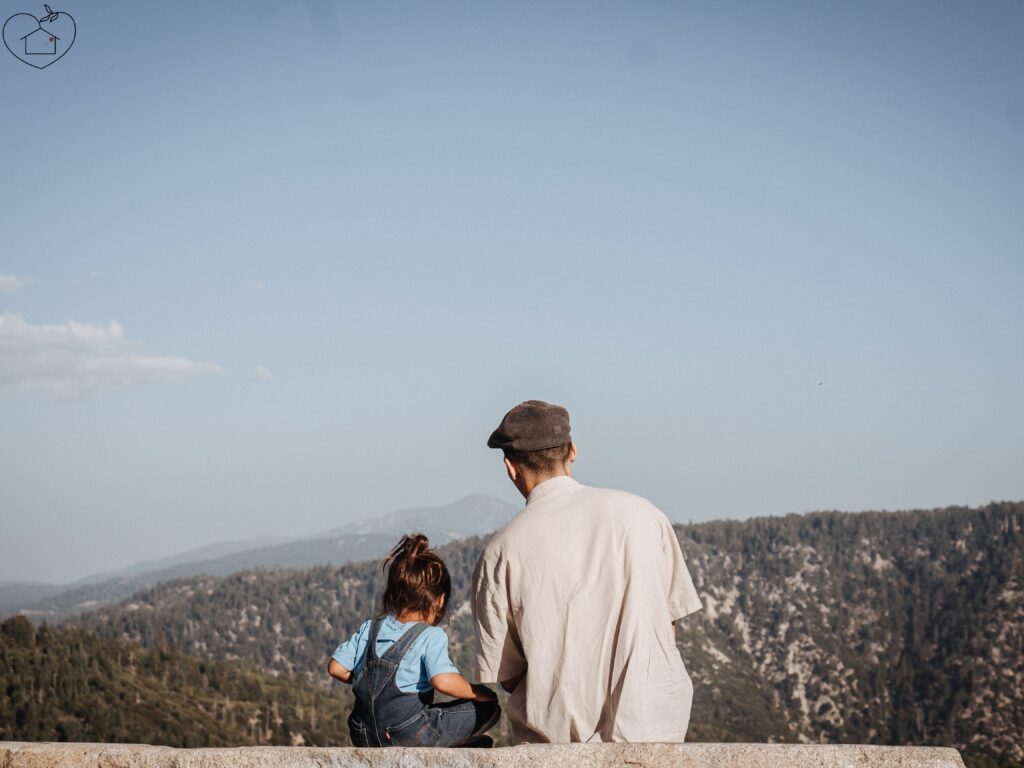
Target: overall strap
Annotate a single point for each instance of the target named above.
(402, 644)
(371, 639)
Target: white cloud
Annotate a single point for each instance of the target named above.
(262, 372)
(11, 283)
(75, 359)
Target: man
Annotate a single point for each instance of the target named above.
(576, 599)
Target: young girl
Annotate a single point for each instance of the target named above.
(397, 660)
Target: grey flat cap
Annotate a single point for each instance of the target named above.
(532, 426)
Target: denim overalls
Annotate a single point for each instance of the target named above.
(385, 716)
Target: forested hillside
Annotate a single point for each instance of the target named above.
(902, 628)
(71, 685)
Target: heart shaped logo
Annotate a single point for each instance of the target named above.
(39, 42)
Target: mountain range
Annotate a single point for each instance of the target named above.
(878, 627)
(888, 628)
(371, 537)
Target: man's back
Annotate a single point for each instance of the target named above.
(582, 588)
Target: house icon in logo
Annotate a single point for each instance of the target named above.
(40, 43)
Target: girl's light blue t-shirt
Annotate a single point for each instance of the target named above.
(427, 657)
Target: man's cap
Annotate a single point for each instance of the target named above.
(532, 426)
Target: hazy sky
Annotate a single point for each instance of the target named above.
(265, 268)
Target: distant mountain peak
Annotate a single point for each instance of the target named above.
(470, 515)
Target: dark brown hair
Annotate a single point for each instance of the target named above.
(416, 578)
(546, 460)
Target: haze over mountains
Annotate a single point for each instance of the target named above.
(362, 539)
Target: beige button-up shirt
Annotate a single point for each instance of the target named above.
(579, 591)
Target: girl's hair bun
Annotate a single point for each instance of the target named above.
(414, 545)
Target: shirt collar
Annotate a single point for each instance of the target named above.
(550, 486)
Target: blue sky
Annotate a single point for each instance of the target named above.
(266, 268)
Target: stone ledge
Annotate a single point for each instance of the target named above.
(15, 754)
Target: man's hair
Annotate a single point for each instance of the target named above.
(539, 462)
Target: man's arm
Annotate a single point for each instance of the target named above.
(680, 592)
(499, 656)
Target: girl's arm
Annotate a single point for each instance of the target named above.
(455, 685)
(338, 672)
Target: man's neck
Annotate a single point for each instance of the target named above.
(531, 482)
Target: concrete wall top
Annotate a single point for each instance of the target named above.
(59, 755)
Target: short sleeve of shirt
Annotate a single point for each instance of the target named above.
(435, 658)
(682, 597)
(351, 651)
(499, 655)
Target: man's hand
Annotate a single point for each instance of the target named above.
(513, 683)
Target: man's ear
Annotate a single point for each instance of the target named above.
(512, 469)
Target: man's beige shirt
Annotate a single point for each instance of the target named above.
(579, 591)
